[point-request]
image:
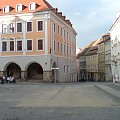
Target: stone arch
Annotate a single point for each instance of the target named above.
(12, 69)
(34, 71)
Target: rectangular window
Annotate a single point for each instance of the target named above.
(4, 46)
(19, 27)
(64, 48)
(19, 7)
(54, 28)
(58, 46)
(4, 28)
(11, 45)
(12, 27)
(64, 34)
(61, 31)
(54, 45)
(61, 47)
(6, 9)
(29, 26)
(19, 45)
(64, 69)
(29, 44)
(32, 6)
(58, 30)
(40, 44)
(40, 25)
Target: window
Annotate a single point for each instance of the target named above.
(4, 28)
(32, 6)
(4, 46)
(54, 28)
(6, 9)
(29, 26)
(40, 44)
(61, 47)
(11, 45)
(19, 7)
(29, 44)
(64, 34)
(64, 48)
(58, 46)
(61, 31)
(19, 27)
(64, 69)
(40, 25)
(12, 27)
(58, 30)
(54, 45)
(19, 45)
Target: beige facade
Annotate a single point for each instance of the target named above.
(37, 44)
(104, 59)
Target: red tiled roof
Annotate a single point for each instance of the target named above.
(41, 5)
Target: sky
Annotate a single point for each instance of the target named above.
(90, 18)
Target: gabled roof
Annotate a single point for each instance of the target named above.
(92, 51)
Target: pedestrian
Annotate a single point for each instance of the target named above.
(8, 79)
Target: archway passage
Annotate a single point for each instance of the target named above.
(35, 71)
(13, 70)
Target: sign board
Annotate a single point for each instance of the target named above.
(54, 68)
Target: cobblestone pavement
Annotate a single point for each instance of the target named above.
(72, 101)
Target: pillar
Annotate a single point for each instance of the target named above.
(47, 76)
(23, 75)
(1, 73)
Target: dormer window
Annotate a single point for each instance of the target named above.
(32, 6)
(6, 9)
(19, 7)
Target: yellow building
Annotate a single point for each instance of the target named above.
(37, 42)
(92, 62)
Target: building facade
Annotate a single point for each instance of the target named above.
(37, 42)
(92, 64)
(104, 58)
(115, 47)
(101, 61)
(108, 70)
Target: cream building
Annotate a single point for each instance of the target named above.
(92, 62)
(115, 47)
(37, 42)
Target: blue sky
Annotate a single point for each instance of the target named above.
(90, 18)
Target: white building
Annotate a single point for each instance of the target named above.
(115, 48)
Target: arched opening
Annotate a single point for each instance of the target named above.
(35, 71)
(13, 70)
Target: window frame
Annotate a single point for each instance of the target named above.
(17, 27)
(27, 27)
(4, 28)
(31, 46)
(19, 9)
(17, 46)
(42, 26)
(32, 7)
(6, 9)
(6, 46)
(14, 45)
(42, 42)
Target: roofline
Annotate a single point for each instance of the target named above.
(114, 23)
